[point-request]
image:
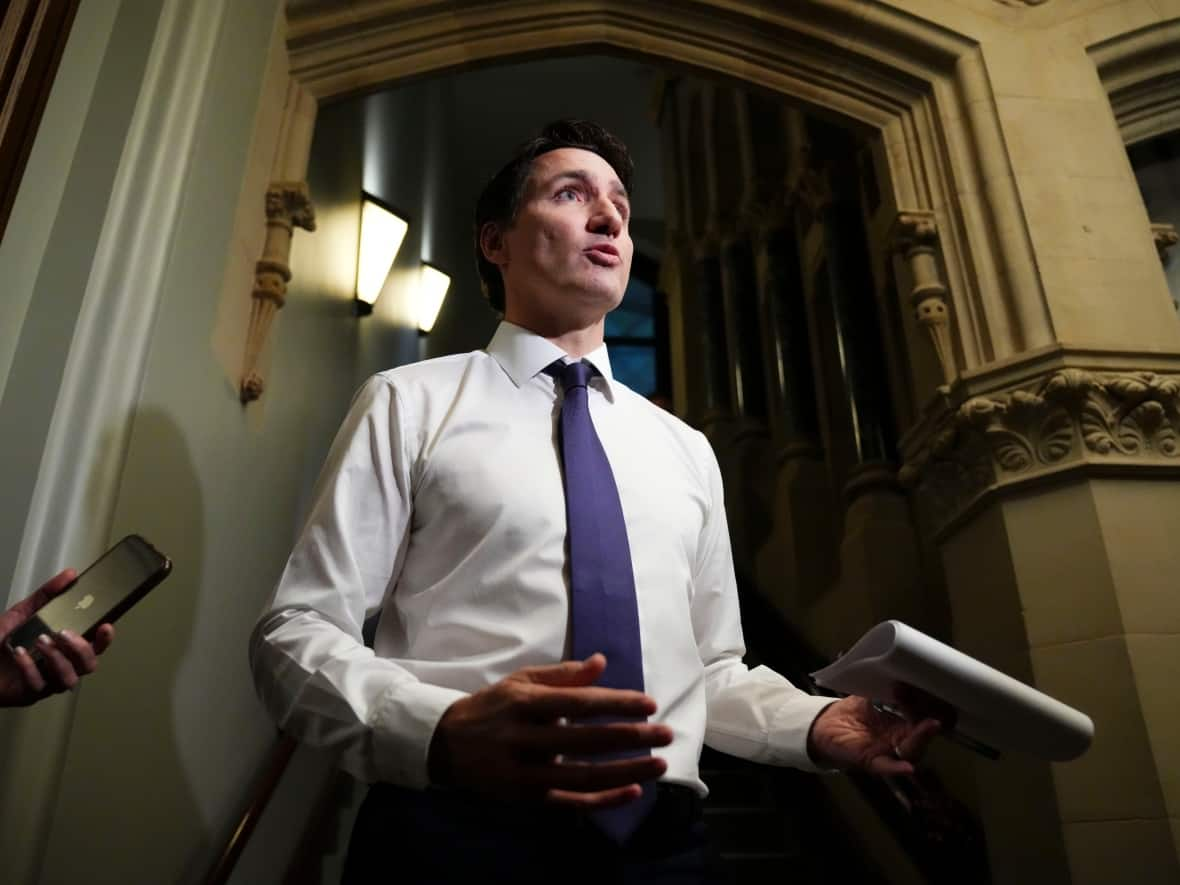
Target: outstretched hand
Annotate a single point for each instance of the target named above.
(853, 733)
(510, 740)
(66, 657)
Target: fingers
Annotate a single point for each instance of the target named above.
(66, 658)
(589, 740)
(913, 744)
(103, 638)
(567, 673)
(591, 801)
(594, 777)
(890, 765)
(548, 705)
(59, 672)
(77, 651)
(29, 671)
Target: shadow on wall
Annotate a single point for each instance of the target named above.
(125, 806)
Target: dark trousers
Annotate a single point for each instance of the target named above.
(408, 836)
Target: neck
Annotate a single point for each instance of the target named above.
(574, 338)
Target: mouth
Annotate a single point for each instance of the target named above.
(604, 255)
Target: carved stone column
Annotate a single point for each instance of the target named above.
(1050, 485)
(915, 235)
(287, 206)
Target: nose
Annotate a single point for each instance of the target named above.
(605, 218)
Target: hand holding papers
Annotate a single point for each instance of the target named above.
(993, 709)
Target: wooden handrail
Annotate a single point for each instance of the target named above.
(276, 764)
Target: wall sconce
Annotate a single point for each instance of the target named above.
(382, 232)
(432, 289)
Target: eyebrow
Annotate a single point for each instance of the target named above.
(616, 186)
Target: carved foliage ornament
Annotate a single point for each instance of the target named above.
(1072, 415)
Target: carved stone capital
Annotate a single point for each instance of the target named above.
(1166, 236)
(1066, 419)
(288, 203)
(914, 227)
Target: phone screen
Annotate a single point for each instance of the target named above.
(115, 582)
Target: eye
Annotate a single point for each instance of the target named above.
(566, 194)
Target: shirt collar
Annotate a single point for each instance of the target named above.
(523, 355)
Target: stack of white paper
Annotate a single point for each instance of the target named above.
(993, 708)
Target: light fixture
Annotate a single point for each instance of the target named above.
(382, 232)
(432, 289)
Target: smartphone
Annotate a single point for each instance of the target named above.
(116, 581)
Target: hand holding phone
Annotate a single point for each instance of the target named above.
(53, 637)
(64, 658)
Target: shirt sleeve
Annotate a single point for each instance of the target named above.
(755, 714)
(312, 669)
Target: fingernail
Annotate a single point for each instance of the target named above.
(20, 651)
(44, 639)
(67, 634)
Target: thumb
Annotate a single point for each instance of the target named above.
(567, 673)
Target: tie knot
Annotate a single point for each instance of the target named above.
(576, 374)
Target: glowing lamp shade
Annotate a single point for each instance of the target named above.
(432, 289)
(382, 232)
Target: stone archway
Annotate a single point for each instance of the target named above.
(915, 82)
(955, 179)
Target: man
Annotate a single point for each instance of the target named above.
(66, 657)
(456, 505)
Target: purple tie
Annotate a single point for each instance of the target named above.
(604, 614)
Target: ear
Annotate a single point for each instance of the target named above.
(493, 244)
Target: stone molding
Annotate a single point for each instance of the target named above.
(1060, 419)
(1139, 72)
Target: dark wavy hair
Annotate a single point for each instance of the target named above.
(500, 199)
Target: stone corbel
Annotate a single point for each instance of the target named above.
(915, 237)
(1166, 236)
(1069, 418)
(288, 206)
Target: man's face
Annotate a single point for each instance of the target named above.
(567, 256)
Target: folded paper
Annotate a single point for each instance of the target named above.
(993, 708)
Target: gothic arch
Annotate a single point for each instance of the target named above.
(922, 87)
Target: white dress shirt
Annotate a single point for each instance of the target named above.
(441, 510)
